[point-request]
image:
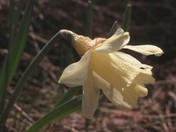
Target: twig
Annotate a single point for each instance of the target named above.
(24, 114)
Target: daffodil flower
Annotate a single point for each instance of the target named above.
(104, 67)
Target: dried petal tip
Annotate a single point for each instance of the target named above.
(68, 35)
(80, 43)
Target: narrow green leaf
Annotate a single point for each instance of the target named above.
(14, 18)
(113, 28)
(68, 96)
(30, 69)
(89, 18)
(57, 113)
(15, 52)
(3, 75)
(11, 17)
(126, 17)
(18, 44)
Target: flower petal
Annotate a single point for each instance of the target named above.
(145, 49)
(76, 73)
(115, 42)
(111, 93)
(133, 93)
(90, 98)
(130, 59)
(144, 77)
(140, 90)
(114, 68)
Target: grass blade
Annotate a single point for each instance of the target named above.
(15, 52)
(11, 17)
(18, 44)
(126, 17)
(89, 18)
(113, 29)
(30, 69)
(57, 113)
(15, 13)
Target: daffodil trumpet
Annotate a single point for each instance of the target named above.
(103, 66)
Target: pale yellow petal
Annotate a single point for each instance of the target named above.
(141, 91)
(131, 99)
(130, 59)
(144, 77)
(133, 93)
(114, 68)
(115, 42)
(145, 49)
(111, 93)
(144, 73)
(76, 73)
(121, 77)
(90, 98)
(123, 99)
